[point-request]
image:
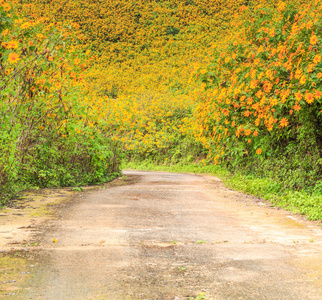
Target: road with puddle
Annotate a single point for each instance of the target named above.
(174, 236)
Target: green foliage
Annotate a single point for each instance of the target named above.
(47, 137)
(303, 202)
(262, 111)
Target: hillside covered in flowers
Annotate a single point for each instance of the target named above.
(234, 83)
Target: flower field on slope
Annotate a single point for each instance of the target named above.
(236, 83)
(143, 76)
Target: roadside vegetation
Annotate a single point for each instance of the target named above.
(298, 202)
(47, 133)
(233, 85)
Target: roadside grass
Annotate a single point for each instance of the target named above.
(13, 273)
(298, 202)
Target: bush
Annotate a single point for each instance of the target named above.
(47, 134)
(263, 110)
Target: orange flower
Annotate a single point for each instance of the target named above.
(317, 95)
(6, 6)
(250, 101)
(267, 87)
(296, 107)
(13, 58)
(317, 59)
(248, 132)
(253, 84)
(284, 122)
(259, 151)
(309, 98)
(298, 96)
(310, 68)
(298, 74)
(319, 75)
(313, 40)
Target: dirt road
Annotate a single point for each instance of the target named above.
(175, 236)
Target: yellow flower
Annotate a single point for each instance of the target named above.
(303, 80)
(298, 74)
(5, 32)
(13, 58)
(12, 45)
(25, 25)
(281, 6)
(273, 101)
(259, 151)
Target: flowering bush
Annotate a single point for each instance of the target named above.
(47, 136)
(263, 90)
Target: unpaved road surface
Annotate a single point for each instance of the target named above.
(174, 236)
